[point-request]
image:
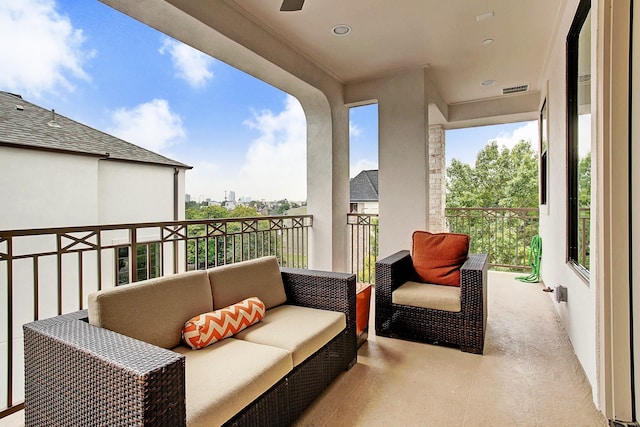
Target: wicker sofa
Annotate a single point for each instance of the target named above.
(83, 374)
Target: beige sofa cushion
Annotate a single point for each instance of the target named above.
(153, 310)
(225, 377)
(300, 330)
(255, 278)
(426, 295)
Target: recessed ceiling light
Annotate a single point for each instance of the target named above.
(341, 30)
(488, 82)
(487, 41)
(484, 16)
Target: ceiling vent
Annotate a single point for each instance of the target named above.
(515, 89)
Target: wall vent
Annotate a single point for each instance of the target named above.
(515, 89)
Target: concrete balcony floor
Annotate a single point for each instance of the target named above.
(528, 375)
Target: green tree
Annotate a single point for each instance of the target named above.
(500, 178)
(584, 182)
(242, 212)
(506, 178)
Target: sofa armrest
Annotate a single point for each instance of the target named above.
(321, 289)
(80, 374)
(324, 290)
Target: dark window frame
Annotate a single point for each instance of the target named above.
(573, 158)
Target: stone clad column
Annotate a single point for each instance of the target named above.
(437, 179)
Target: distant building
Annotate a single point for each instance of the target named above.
(364, 192)
(64, 173)
(232, 196)
(187, 198)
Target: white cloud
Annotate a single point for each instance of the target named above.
(276, 162)
(191, 65)
(354, 130)
(199, 181)
(151, 125)
(527, 132)
(362, 165)
(40, 51)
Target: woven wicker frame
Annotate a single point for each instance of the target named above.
(465, 328)
(77, 374)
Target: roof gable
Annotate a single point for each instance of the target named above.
(23, 124)
(364, 187)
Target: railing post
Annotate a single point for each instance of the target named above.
(133, 255)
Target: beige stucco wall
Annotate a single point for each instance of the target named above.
(596, 315)
(579, 313)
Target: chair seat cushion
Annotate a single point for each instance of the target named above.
(427, 295)
(299, 330)
(437, 258)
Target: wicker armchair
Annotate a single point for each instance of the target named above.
(464, 328)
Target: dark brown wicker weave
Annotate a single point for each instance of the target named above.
(77, 374)
(465, 328)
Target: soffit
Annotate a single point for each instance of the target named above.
(391, 36)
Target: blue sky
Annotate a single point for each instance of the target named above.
(102, 68)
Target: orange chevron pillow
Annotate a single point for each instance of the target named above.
(207, 328)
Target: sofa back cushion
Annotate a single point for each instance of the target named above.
(254, 278)
(152, 310)
(437, 258)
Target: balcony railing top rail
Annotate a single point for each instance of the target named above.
(503, 233)
(49, 271)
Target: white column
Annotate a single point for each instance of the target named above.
(403, 154)
(327, 183)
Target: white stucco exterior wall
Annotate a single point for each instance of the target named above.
(47, 189)
(579, 314)
(130, 192)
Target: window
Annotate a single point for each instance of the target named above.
(544, 145)
(579, 138)
(147, 262)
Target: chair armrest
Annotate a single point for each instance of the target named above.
(392, 272)
(473, 284)
(80, 374)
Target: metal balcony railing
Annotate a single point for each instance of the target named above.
(503, 233)
(363, 231)
(47, 272)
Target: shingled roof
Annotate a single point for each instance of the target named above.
(364, 187)
(23, 124)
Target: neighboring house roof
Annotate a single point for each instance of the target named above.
(23, 124)
(364, 187)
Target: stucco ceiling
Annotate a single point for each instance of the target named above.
(390, 36)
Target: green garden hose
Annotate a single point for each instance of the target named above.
(535, 257)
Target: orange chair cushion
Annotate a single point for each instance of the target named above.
(207, 328)
(437, 257)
